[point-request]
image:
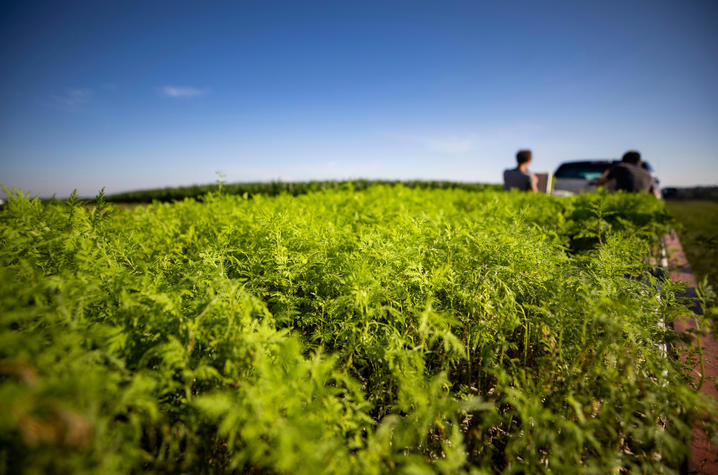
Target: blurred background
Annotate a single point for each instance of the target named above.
(141, 95)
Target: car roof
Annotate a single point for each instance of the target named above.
(597, 161)
(593, 165)
(584, 165)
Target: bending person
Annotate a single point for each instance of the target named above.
(629, 174)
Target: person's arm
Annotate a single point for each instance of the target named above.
(604, 178)
(534, 183)
(653, 189)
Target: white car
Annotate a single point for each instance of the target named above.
(571, 178)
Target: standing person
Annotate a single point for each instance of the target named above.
(520, 177)
(629, 174)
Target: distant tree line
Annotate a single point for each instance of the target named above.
(702, 193)
(273, 188)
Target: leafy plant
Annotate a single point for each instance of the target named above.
(343, 330)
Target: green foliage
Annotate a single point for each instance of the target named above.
(274, 188)
(343, 331)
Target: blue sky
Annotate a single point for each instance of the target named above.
(132, 95)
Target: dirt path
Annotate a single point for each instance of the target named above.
(704, 456)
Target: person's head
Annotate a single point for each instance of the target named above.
(523, 156)
(632, 157)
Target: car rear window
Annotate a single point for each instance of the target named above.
(586, 171)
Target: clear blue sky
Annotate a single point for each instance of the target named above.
(134, 95)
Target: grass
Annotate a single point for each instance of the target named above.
(698, 232)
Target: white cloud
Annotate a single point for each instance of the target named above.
(182, 91)
(74, 97)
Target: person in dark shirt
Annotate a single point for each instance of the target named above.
(629, 175)
(520, 177)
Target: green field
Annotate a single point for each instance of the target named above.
(250, 189)
(340, 331)
(698, 232)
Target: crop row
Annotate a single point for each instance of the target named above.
(344, 331)
(274, 188)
